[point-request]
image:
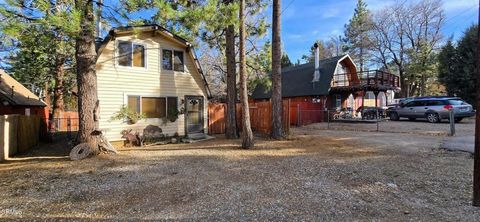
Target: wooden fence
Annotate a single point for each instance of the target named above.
(260, 117)
(304, 113)
(18, 133)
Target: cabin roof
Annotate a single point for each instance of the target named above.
(20, 96)
(156, 28)
(297, 80)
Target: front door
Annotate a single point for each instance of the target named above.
(194, 114)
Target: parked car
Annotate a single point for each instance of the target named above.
(434, 109)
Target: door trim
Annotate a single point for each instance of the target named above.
(202, 116)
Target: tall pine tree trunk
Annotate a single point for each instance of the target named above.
(247, 135)
(86, 76)
(277, 131)
(361, 60)
(231, 131)
(59, 85)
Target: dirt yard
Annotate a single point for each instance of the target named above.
(315, 175)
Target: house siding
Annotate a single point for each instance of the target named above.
(116, 82)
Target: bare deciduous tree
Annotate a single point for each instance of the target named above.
(407, 35)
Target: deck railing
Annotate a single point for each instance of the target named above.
(366, 78)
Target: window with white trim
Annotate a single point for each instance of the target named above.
(131, 54)
(338, 101)
(152, 107)
(173, 60)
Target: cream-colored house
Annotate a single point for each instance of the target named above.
(155, 72)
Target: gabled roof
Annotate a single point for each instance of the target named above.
(297, 80)
(154, 27)
(20, 96)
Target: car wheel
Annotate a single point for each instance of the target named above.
(394, 116)
(433, 118)
(457, 120)
(370, 116)
(412, 119)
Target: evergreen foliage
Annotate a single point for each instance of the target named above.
(456, 68)
(357, 41)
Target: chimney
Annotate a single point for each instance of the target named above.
(316, 74)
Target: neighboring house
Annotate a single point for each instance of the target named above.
(155, 72)
(17, 99)
(334, 83)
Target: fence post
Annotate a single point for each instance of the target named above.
(69, 128)
(452, 122)
(328, 119)
(298, 114)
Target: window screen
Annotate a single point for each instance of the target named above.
(138, 56)
(125, 53)
(172, 105)
(178, 61)
(154, 107)
(134, 103)
(167, 59)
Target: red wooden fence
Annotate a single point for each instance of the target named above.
(303, 113)
(260, 117)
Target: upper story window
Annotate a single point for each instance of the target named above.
(340, 76)
(131, 54)
(173, 60)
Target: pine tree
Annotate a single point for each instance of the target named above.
(456, 66)
(357, 41)
(277, 127)
(247, 134)
(286, 61)
(86, 56)
(231, 131)
(466, 64)
(447, 62)
(28, 22)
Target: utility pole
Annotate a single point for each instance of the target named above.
(476, 164)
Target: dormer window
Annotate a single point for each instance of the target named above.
(172, 60)
(131, 54)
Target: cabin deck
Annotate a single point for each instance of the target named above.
(373, 80)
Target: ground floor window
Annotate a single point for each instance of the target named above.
(351, 101)
(338, 101)
(153, 107)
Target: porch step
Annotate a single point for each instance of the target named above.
(197, 136)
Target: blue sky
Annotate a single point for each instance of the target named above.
(305, 21)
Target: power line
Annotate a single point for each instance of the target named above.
(459, 14)
(288, 5)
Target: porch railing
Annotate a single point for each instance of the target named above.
(366, 78)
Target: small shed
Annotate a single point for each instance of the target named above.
(17, 99)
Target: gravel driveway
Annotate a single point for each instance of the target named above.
(314, 175)
(419, 126)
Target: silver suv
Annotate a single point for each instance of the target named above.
(433, 109)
